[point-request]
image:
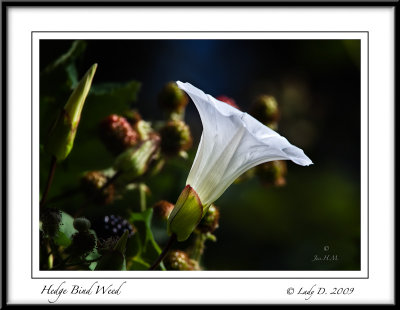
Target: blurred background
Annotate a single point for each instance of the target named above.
(316, 84)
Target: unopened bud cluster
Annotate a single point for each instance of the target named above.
(162, 209)
(51, 220)
(117, 133)
(175, 137)
(83, 242)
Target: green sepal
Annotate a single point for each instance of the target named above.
(62, 135)
(134, 161)
(186, 215)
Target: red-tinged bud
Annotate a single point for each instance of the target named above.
(117, 134)
(228, 100)
(162, 209)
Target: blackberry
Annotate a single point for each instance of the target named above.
(172, 98)
(111, 226)
(210, 221)
(117, 134)
(178, 260)
(228, 100)
(265, 109)
(175, 137)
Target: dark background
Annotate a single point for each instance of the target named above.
(317, 86)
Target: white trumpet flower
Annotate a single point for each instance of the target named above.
(232, 142)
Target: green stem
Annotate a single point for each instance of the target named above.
(53, 165)
(142, 193)
(164, 252)
(199, 246)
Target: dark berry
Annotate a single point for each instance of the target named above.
(111, 226)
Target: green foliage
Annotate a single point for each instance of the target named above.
(142, 249)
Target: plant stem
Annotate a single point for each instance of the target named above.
(164, 252)
(198, 247)
(53, 165)
(142, 193)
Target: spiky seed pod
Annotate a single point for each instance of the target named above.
(272, 173)
(162, 209)
(92, 182)
(111, 226)
(51, 220)
(228, 100)
(82, 244)
(209, 223)
(178, 260)
(81, 224)
(175, 137)
(117, 134)
(172, 98)
(265, 109)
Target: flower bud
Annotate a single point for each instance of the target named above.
(51, 220)
(228, 100)
(265, 109)
(210, 221)
(163, 209)
(186, 214)
(93, 182)
(82, 244)
(81, 224)
(178, 260)
(133, 117)
(272, 173)
(62, 135)
(175, 137)
(172, 98)
(135, 161)
(117, 134)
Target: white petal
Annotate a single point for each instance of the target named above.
(232, 142)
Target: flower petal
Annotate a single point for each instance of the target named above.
(232, 142)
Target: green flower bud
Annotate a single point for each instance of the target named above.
(186, 215)
(175, 137)
(62, 135)
(272, 173)
(114, 259)
(172, 98)
(81, 224)
(163, 209)
(210, 221)
(135, 161)
(178, 260)
(265, 109)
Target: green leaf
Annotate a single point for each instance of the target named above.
(67, 225)
(61, 239)
(142, 249)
